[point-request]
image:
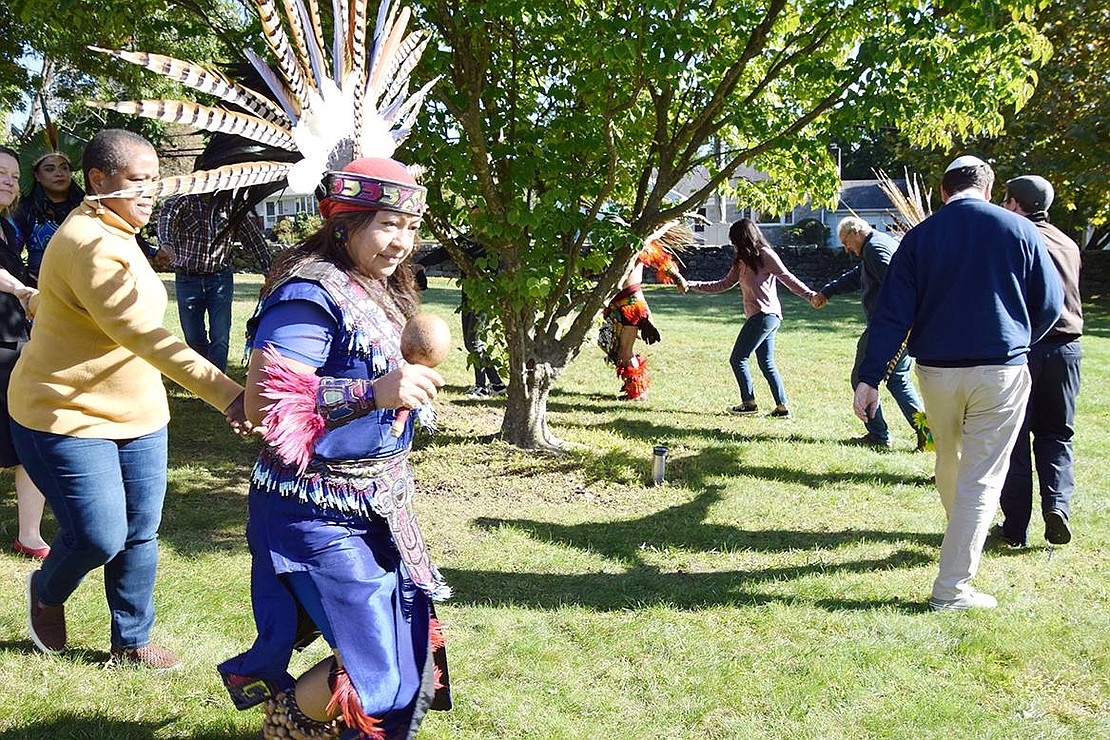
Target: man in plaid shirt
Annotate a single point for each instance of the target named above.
(197, 233)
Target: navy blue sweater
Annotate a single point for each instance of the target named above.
(971, 285)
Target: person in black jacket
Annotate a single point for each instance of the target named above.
(487, 381)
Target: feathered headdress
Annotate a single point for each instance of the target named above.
(50, 137)
(310, 114)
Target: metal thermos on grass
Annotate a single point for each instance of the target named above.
(659, 465)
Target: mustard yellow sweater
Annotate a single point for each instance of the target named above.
(93, 365)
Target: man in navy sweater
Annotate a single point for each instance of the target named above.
(968, 291)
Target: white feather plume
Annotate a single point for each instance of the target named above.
(329, 120)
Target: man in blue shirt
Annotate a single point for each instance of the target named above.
(874, 251)
(968, 291)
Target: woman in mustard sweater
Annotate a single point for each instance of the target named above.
(89, 410)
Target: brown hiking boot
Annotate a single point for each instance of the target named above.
(154, 657)
(47, 624)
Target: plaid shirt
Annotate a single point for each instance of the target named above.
(189, 225)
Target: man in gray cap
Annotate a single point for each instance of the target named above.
(968, 291)
(1054, 369)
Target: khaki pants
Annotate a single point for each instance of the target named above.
(975, 414)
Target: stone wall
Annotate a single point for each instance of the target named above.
(815, 266)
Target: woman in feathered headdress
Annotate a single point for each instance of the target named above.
(335, 544)
(331, 525)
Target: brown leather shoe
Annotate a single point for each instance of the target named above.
(47, 624)
(154, 657)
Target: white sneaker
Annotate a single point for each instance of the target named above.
(974, 600)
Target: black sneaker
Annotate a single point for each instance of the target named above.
(743, 409)
(1000, 536)
(870, 440)
(780, 413)
(47, 624)
(1056, 528)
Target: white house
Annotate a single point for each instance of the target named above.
(282, 204)
(862, 198)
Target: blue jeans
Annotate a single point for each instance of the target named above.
(901, 389)
(1050, 419)
(106, 495)
(206, 295)
(757, 335)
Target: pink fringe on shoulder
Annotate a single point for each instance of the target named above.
(344, 697)
(292, 423)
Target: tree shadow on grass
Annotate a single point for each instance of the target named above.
(71, 654)
(683, 527)
(68, 725)
(647, 586)
(699, 470)
(1096, 318)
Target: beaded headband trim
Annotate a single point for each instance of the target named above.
(373, 192)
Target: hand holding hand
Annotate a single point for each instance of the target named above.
(865, 402)
(25, 295)
(819, 300)
(409, 386)
(163, 259)
(236, 415)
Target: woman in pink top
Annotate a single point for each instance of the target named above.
(758, 270)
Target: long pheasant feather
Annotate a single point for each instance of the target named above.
(410, 110)
(299, 37)
(339, 55)
(287, 61)
(386, 14)
(228, 177)
(385, 59)
(312, 41)
(207, 81)
(407, 57)
(277, 87)
(358, 42)
(205, 117)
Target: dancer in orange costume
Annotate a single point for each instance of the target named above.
(628, 317)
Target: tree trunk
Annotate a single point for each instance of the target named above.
(535, 361)
(525, 422)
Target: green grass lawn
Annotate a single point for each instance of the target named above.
(774, 588)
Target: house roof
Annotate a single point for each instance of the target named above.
(864, 195)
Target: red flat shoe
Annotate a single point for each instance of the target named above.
(35, 553)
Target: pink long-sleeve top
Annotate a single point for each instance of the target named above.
(758, 286)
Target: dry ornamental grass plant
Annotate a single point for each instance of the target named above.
(912, 206)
